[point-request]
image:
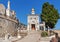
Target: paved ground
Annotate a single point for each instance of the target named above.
(8, 40)
(33, 36)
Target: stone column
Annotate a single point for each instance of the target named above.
(28, 27)
(44, 25)
(44, 28)
(36, 28)
(18, 35)
(48, 30)
(7, 36)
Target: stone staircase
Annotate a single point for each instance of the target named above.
(33, 36)
(44, 39)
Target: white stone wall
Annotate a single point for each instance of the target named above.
(42, 25)
(7, 26)
(33, 19)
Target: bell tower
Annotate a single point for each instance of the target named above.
(33, 11)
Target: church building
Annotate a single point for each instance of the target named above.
(33, 22)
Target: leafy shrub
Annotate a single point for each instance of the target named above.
(44, 34)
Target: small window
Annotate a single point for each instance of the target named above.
(35, 18)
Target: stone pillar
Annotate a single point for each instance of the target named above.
(36, 28)
(28, 27)
(18, 35)
(44, 25)
(7, 36)
(44, 28)
(48, 30)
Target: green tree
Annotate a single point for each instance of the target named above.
(49, 14)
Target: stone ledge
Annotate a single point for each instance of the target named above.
(8, 18)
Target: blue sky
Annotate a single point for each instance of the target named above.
(23, 8)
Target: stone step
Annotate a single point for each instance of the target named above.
(45, 39)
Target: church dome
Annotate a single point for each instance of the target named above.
(2, 9)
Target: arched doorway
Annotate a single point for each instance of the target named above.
(33, 27)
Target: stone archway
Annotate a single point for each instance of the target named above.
(33, 27)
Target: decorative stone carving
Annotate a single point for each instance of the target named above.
(2, 9)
